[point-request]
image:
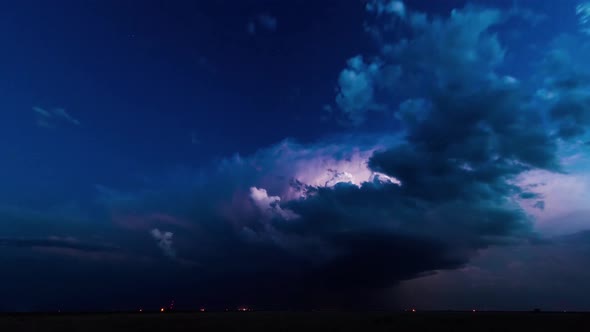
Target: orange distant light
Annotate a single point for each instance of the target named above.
(161, 309)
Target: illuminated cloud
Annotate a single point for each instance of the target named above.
(338, 177)
(164, 240)
(269, 205)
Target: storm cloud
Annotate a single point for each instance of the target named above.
(568, 86)
(338, 221)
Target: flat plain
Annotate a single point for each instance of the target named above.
(296, 321)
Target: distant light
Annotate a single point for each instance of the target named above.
(413, 310)
(473, 310)
(202, 310)
(161, 309)
(140, 310)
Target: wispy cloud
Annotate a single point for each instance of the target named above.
(533, 17)
(583, 12)
(60, 112)
(51, 118)
(42, 112)
(194, 138)
(264, 21)
(251, 28)
(267, 21)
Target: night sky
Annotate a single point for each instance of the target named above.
(299, 154)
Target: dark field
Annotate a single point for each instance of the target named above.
(313, 321)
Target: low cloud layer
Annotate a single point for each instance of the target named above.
(57, 243)
(546, 275)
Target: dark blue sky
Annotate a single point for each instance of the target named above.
(320, 139)
(142, 79)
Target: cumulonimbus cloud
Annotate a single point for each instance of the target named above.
(353, 214)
